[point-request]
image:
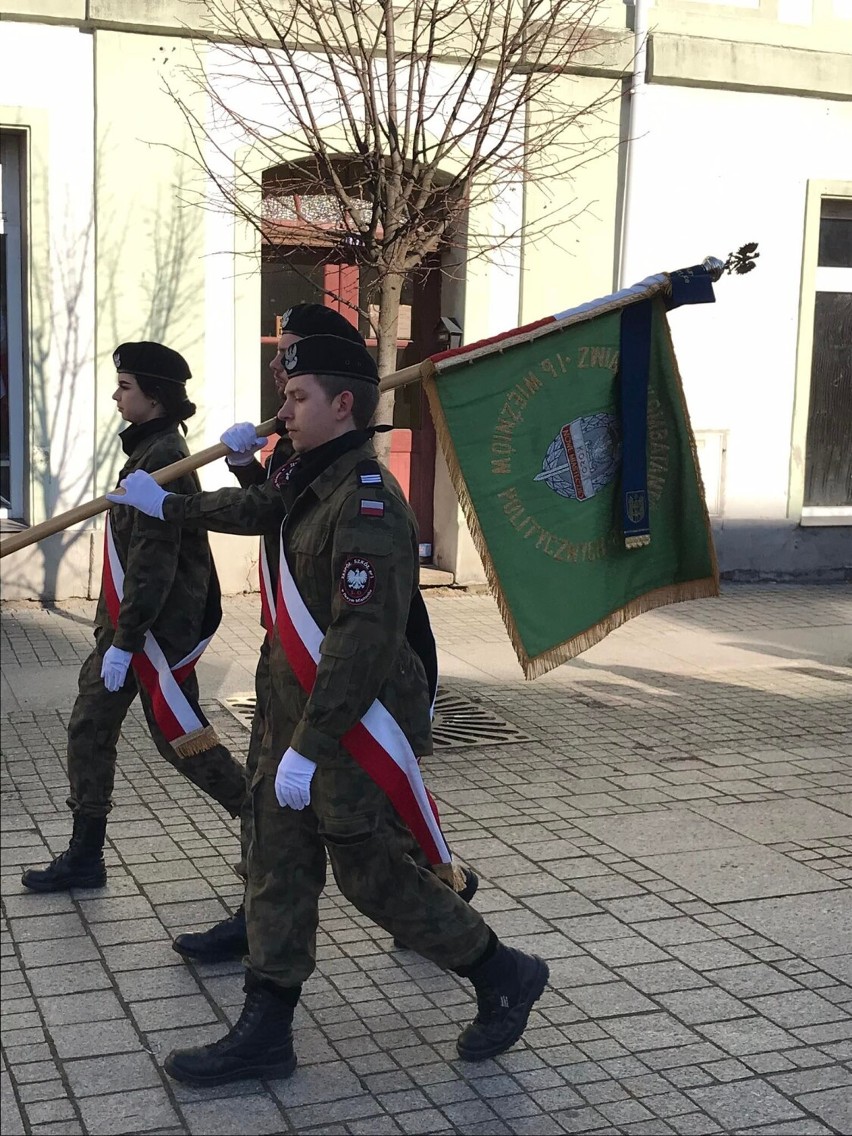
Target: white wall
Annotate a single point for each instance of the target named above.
(59, 261)
(61, 252)
(717, 169)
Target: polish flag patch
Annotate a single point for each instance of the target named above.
(372, 508)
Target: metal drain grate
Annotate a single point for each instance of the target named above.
(458, 721)
(242, 707)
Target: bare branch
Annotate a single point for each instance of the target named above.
(395, 118)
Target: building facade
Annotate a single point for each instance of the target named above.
(732, 123)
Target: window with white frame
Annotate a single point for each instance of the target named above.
(828, 447)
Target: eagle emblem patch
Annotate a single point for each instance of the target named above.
(290, 358)
(357, 580)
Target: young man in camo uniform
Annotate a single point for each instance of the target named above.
(350, 542)
(228, 939)
(170, 592)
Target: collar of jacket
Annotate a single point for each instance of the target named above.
(139, 432)
(328, 480)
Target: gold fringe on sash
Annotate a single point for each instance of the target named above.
(196, 742)
(452, 875)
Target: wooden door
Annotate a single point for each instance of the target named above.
(303, 276)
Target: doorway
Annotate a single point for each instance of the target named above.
(12, 326)
(294, 275)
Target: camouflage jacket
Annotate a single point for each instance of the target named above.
(352, 548)
(170, 582)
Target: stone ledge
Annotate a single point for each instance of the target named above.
(692, 61)
(435, 577)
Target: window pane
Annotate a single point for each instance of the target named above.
(835, 233)
(828, 460)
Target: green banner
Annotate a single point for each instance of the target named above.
(532, 434)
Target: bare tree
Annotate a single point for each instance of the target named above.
(387, 131)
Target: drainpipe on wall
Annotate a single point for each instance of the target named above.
(637, 127)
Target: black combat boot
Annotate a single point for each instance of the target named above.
(81, 865)
(224, 941)
(471, 883)
(507, 985)
(260, 1044)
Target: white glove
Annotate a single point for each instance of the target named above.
(293, 780)
(243, 442)
(142, 492)
(114, 668)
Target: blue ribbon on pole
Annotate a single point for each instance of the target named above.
(635, 355)
(688, 286)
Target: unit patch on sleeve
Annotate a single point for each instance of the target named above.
(357, 580)
(372, 508)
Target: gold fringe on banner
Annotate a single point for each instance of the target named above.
(460, 486)
(538, 665)
(196, 742)
(693, 449)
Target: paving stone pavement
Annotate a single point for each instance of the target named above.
(676, 840)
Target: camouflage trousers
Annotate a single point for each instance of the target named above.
(375, 861)
(93, 732)
(258, 728)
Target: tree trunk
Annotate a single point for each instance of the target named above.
(386, 334)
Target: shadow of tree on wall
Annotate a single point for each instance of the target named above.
(76, 303)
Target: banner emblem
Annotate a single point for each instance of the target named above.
(583, 458)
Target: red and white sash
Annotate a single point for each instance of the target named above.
(267, 591)
(180, 719)
(267, 587)
(377, 742)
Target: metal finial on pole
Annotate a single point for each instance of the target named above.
(714, 267)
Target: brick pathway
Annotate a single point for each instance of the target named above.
(676, 841)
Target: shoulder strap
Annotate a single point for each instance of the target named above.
(369, 472)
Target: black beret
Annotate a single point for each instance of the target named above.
(152, 360)
(317, 319)
(330, 355)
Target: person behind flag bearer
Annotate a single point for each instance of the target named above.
(337, 773)
(159, 604)
(227, 939)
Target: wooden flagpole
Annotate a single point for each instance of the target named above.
(168, 473)
(739, 262)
